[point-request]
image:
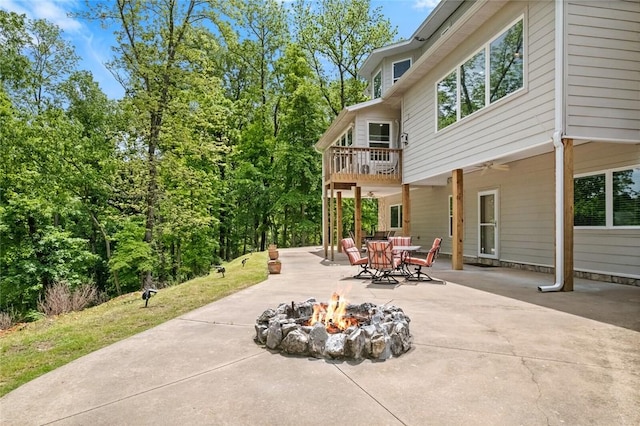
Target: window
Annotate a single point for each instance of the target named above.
(399, 68)
(447, 103)
(450, 215)
(506, 64)
(377, 85)
(472, 83)
(469, 87)
(607, 199)
(626, 197)
(379, 137)
(396, 216)
(346, 139)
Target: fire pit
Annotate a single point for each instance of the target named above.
(335, 330)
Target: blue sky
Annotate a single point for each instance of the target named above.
(93, 43)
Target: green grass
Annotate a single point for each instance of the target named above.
(39, 347)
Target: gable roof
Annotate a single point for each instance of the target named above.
(425, 31)
(340, 123)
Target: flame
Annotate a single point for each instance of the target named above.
(333, 315)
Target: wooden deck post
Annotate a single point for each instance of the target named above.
(339, 221)
(332, 216)
(358, 217)
(325, 222)
(568, 211)
(406, 211)
(458, 220)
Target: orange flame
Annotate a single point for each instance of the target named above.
(333, 315)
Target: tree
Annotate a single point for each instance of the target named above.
(152, 61)
(337, 36)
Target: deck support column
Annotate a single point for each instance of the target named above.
(406, 211)
(458, 220)
(325, 222)
(339, 221)
(358, 217)
(332, 216)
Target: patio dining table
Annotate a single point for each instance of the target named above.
(405, 250)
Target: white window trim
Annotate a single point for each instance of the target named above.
(380, 122)
(393, 77)
(608, 197)
(487, 77)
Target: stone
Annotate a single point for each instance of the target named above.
(274, 334)
(354, 345)
(261, 333)
(379, 346)
(295, 343)
(317, 340)
(266, 315)
(334, 347)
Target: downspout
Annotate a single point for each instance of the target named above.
(559, 150)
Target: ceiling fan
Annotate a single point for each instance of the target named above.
(490, 165)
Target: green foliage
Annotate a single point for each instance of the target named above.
(132, 256)
(337, 36)
(208, 156)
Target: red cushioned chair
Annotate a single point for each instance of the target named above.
(420, 263)
(349, 248)
(400, 255)
(381, 259)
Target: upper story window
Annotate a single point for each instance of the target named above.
(346, 139)
(377, 85)
(607, 199)
(492, 73)
(379, 135)
(399, 68)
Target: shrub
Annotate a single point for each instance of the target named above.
(59, 298)
(6, 320)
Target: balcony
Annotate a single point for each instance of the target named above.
(350, 166)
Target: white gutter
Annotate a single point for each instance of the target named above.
(559, 149)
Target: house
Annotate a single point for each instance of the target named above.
(511, 129)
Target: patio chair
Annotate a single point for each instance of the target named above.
(400, 255)
(381, 259)
(353, 253)
(420, 263)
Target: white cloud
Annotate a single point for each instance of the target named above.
(54, 11)
(425, 4)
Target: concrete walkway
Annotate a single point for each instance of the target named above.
(478, 358)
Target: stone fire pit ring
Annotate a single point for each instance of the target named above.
(382, 332)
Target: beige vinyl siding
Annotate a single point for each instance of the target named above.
(603, 70)
(429, 215)
(379, 113)
(518, 121)
(526, 216)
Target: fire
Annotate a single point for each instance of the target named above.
(333, 315)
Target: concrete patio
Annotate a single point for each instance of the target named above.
(488, 349)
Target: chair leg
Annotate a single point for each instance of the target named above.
(365, 270)
(418, 275)
(384, 277)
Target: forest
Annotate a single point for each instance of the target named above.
(209, 154)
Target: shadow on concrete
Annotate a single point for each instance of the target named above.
(615, 304)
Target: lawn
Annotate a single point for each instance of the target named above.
(34, 349)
